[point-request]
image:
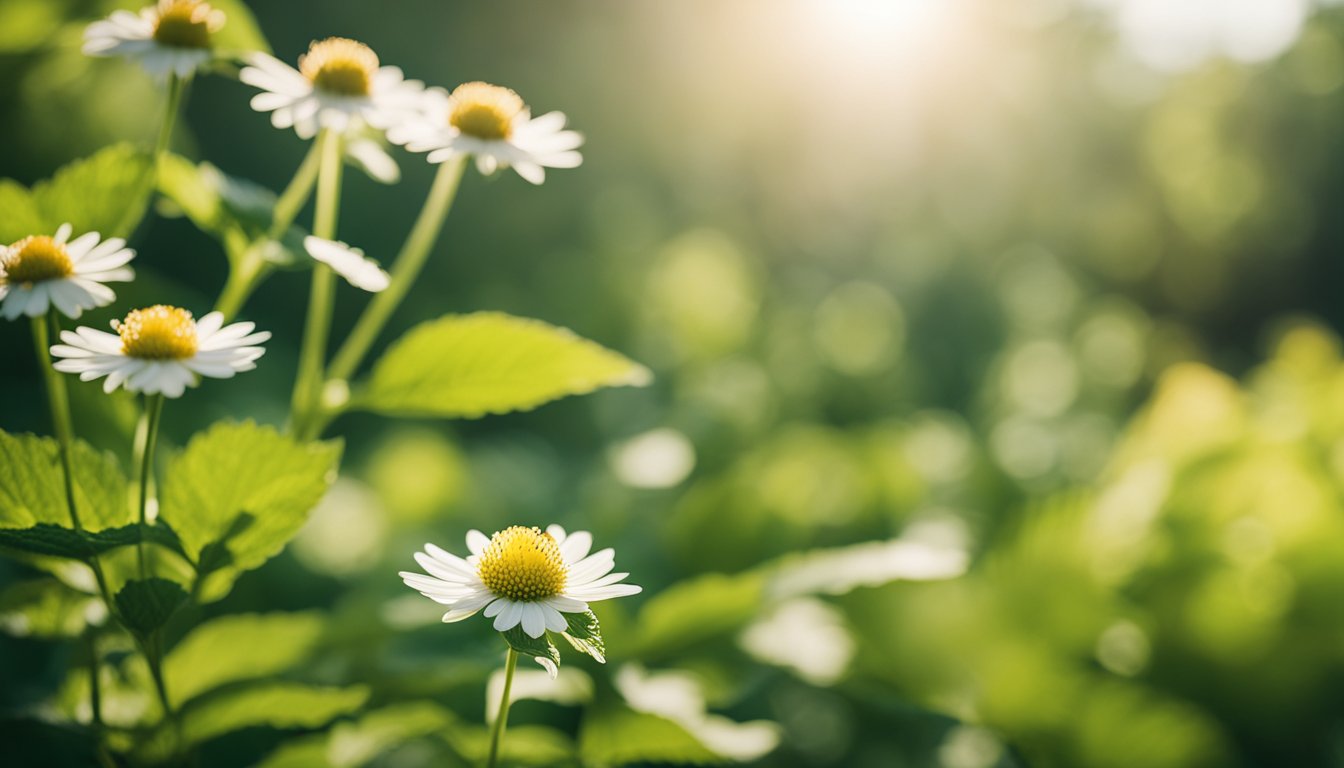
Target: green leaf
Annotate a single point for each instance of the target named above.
(697, 610)
(239, 647)
(217, 203)
(488, 362)
(356, 743)
(585, 634)
(47, 608)
(106, 192)
(32, 485)
(21, 217)
(274, 704)
(618, 735)
(146, 605)
(539, 648)
(523, 745)
(245, 488)
(59, 541)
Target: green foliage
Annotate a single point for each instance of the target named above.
(240, 647)
(618, 735)
(531, 745)
(146, 605)
(106, 192)
(585, 634)
(357, 742)
(239, 492)
(467, 366)
(696, 610)
(32, 485)
(57, 541)
(46, 608)
(539, 648)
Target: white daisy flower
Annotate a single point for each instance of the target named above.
(160, 350)
(338, 85)
(493, 125)
(520, 576)
(350, 263)
(41, 271)
(174, 36)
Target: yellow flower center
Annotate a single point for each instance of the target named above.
(340, 66)
(484, 111)
(523, 564)
(186, 23)
(34, 259)
(159, 332)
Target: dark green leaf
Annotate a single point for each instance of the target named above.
(146, 605)
(539, 648)
(58, 541)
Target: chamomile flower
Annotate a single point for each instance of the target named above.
(350, 263)
(493, 125)
(174, 36)
(160, 350)
(40, 271)
(520, 576)
(339, 85)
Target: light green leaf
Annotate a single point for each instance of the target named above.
(618, 735)
(32, 485)
(47, 608)
(247, 490)
(274, 704)
(217, 203)
(539, 648)
(523, 745)
(146, 605)
(355, 743)
(697, 610)
(59, 541)
(21, 217)
(488, 362)
(106, 192)
(239, 647)
(585, 634)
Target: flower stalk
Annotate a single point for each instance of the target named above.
(145, 462)
(502, 719)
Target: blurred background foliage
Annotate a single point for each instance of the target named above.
(1051, 283)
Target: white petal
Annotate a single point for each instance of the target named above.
(576, 547)
(509, 617)
(477, 541)
(599, 564)
(533, 620)
(555, 620)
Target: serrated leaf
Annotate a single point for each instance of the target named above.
(32, 485)
(106, 192)
(585, 634)
(489, 362)
(618, 735)
(146, 605)
(47, 608)
(59, 541)
(239, 647)
(539, 648)
(244, 473)
(21, 217)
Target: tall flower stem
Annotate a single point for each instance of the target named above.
(251, 266)
(405, 269)
(502, 719)
(145, 463)
(44, 330)
(321, 299)
(175, 87)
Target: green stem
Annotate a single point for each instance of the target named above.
(175, 85)
(409, 262)
(252, 267)
(502, 719)
(153, 410)
(44, 330)
(321, 300)
(95, 686)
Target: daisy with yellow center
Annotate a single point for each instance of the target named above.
(174, 36)
(43, 271)
(339, 85)
(160, 350)
(520, 576)
(493, 125)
